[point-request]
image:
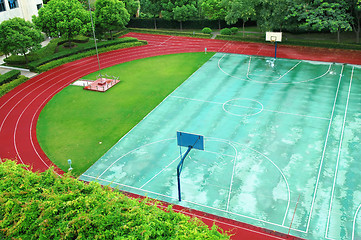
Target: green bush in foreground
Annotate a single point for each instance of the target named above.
(206, 30)
(226, 31)
(46, 206)
(9, 76)
(7, 87)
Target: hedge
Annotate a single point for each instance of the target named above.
(305, 43)
(174, 33)
(9, 76)
(7, 87)
(58, 62)
(80, 49)
(46, 206)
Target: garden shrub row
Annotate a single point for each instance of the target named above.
(84, 48)
(306, 43)
(61, 61)
(173, 33)
(9, 76)
(46, 206)
(7, 87)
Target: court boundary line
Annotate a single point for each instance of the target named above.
(338, 157)
(231, 183)
(323, 152)
(354, 222)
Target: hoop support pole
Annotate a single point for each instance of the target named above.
(275, 49)
(179, 170)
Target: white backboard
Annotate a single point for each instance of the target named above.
(274, 36)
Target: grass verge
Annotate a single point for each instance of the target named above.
(75, 121)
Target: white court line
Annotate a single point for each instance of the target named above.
(324, 151)
(338, 156)
(287, 71)
(230, 185)
(159, 172)
(270, 82)
(294, 114)
(354, 222)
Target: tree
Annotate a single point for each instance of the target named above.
(320, 15)
(152, 9)
(184, 13)
(66, 18)
(355, 11)
(272, 15)
(214, 10)
(132, 7)
(111, 15)
(19, 36)
(240, 9)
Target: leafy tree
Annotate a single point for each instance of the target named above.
(214, 10)
(111, 15)
(152, 9)
(272, 15)
(355, 11)
(132, 7)
(320, 15)
(19, 36)
(66, 18)
(184, 13)
(240, 9)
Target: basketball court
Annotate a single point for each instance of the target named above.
(281, 146)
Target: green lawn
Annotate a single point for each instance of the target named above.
(75, 121)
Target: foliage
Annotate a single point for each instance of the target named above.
(214, 10)
(132, 6)
(321, 15)
(46, 206)
(111, 15)
(271, 15)
(174, 33)
(234, 30)
(66, 18)
(226, 31)
(19, 36)
(9, 76)
(206, 30)
(58, 62)
(185, 12)
(7, 87)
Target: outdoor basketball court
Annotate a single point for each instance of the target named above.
(277, 134)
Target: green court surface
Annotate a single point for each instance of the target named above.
(278, 134)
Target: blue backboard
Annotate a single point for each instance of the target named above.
(190, 140)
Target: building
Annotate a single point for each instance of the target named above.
(19, 8)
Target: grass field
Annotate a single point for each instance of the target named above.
(74, 122)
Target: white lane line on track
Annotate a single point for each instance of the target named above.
(338, 156)
(324, 151)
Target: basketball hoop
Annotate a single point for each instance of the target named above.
(274, 37)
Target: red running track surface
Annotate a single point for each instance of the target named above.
(20, 108)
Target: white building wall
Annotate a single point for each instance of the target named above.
(26, 9)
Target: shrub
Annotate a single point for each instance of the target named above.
(9, 76)
(46, 206)
(234, 30)
(61, 61)
(80, 49)
(206, 30)
(7, 87)
(226, 31)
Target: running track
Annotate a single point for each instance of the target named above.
(20, 108)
